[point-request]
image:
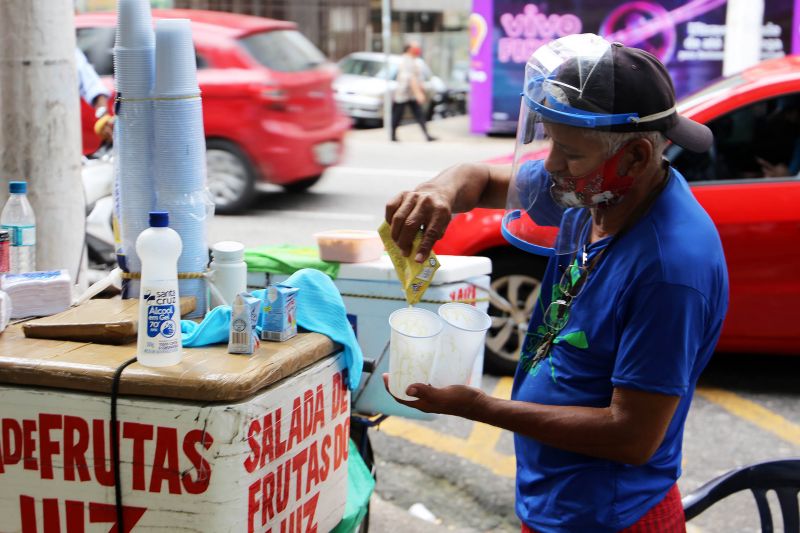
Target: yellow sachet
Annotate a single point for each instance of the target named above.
(414, 277)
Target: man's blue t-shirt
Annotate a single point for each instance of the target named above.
(647, 318)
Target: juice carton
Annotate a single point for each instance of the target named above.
(244, 317)
(278, 313)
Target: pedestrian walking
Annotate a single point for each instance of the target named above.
(410, 90)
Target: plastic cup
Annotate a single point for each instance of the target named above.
(134, 72)
(460, 343)
(134, 24)
(412, 350)
(176, 65)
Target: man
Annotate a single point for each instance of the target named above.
(94, 93)
(409, 91)
(632, 301)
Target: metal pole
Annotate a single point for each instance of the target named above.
(40, 139)
(743, 25)
(386, 31)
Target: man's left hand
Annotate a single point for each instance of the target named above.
(457, 400)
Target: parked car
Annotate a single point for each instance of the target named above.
(361, 85)
(268, 104)
(755, 114)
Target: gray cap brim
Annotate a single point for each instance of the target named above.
(691, 135)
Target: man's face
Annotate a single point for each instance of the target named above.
(573, 153)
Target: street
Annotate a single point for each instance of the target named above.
(745, 409)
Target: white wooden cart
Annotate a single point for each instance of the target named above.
(218, 443)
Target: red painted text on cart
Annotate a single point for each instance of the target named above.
(290, 474)
(33, 444)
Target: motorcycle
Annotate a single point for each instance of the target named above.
(97, 176)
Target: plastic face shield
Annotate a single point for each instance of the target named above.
(569, 82)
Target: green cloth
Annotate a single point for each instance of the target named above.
(287, 259)
(359, 489)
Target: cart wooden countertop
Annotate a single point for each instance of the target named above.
(208, 374)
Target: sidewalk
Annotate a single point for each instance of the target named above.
(386, 517)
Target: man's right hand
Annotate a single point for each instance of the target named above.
(427, 207)
(432, 204)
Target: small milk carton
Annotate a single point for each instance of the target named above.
(244, 317)
(278, 313)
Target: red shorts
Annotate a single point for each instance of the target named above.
(665, 517)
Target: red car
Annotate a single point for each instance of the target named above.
(755, 117)
(268, 102)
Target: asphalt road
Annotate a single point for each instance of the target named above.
(745, 409)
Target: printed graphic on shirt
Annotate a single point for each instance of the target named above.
(538, 344)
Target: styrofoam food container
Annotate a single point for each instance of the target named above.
(349, 246)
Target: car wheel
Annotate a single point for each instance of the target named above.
(516, 279)
(231, 178)
(302, 185)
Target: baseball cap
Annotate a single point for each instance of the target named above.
(639, 84)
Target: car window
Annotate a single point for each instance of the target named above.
(283, 50)
(201, 61)
(761, 140)
(97, 43)
(366, 67)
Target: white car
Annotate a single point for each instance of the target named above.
(359, 89)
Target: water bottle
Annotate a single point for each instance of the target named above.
(18, 218)
(159, 335)
(229, 272)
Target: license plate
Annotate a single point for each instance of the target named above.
(326, 153)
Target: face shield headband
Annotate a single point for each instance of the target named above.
(550, 109)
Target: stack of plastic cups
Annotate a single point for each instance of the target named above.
(180, 151)
(134, 69)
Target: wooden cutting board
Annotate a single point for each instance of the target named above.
(103, 321)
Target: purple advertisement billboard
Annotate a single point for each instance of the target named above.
(688, 37)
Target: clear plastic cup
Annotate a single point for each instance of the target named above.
(176, 66)
(460, 343)
(134, 24)
(412, 349)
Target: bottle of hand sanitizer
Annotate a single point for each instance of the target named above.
(159, 340)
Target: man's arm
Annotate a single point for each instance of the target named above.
(90, 87)
(432, 204)
(628, 431)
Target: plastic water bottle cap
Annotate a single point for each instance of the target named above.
(228, 251)
(159, 219)
(18, 187)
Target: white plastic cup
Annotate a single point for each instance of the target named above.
(176, 65)
(134, 24)
(413, 347)
(134, 72)
(460, 343)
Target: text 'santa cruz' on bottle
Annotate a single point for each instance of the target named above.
(18, 218)
(159, 340)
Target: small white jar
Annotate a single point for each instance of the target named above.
(228, 271)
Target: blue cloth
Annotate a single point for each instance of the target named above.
(89, 84)
(214, 329)
(647, 318)
(320, 308)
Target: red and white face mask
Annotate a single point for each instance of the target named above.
(601, 186)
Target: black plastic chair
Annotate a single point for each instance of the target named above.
(781, 476)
